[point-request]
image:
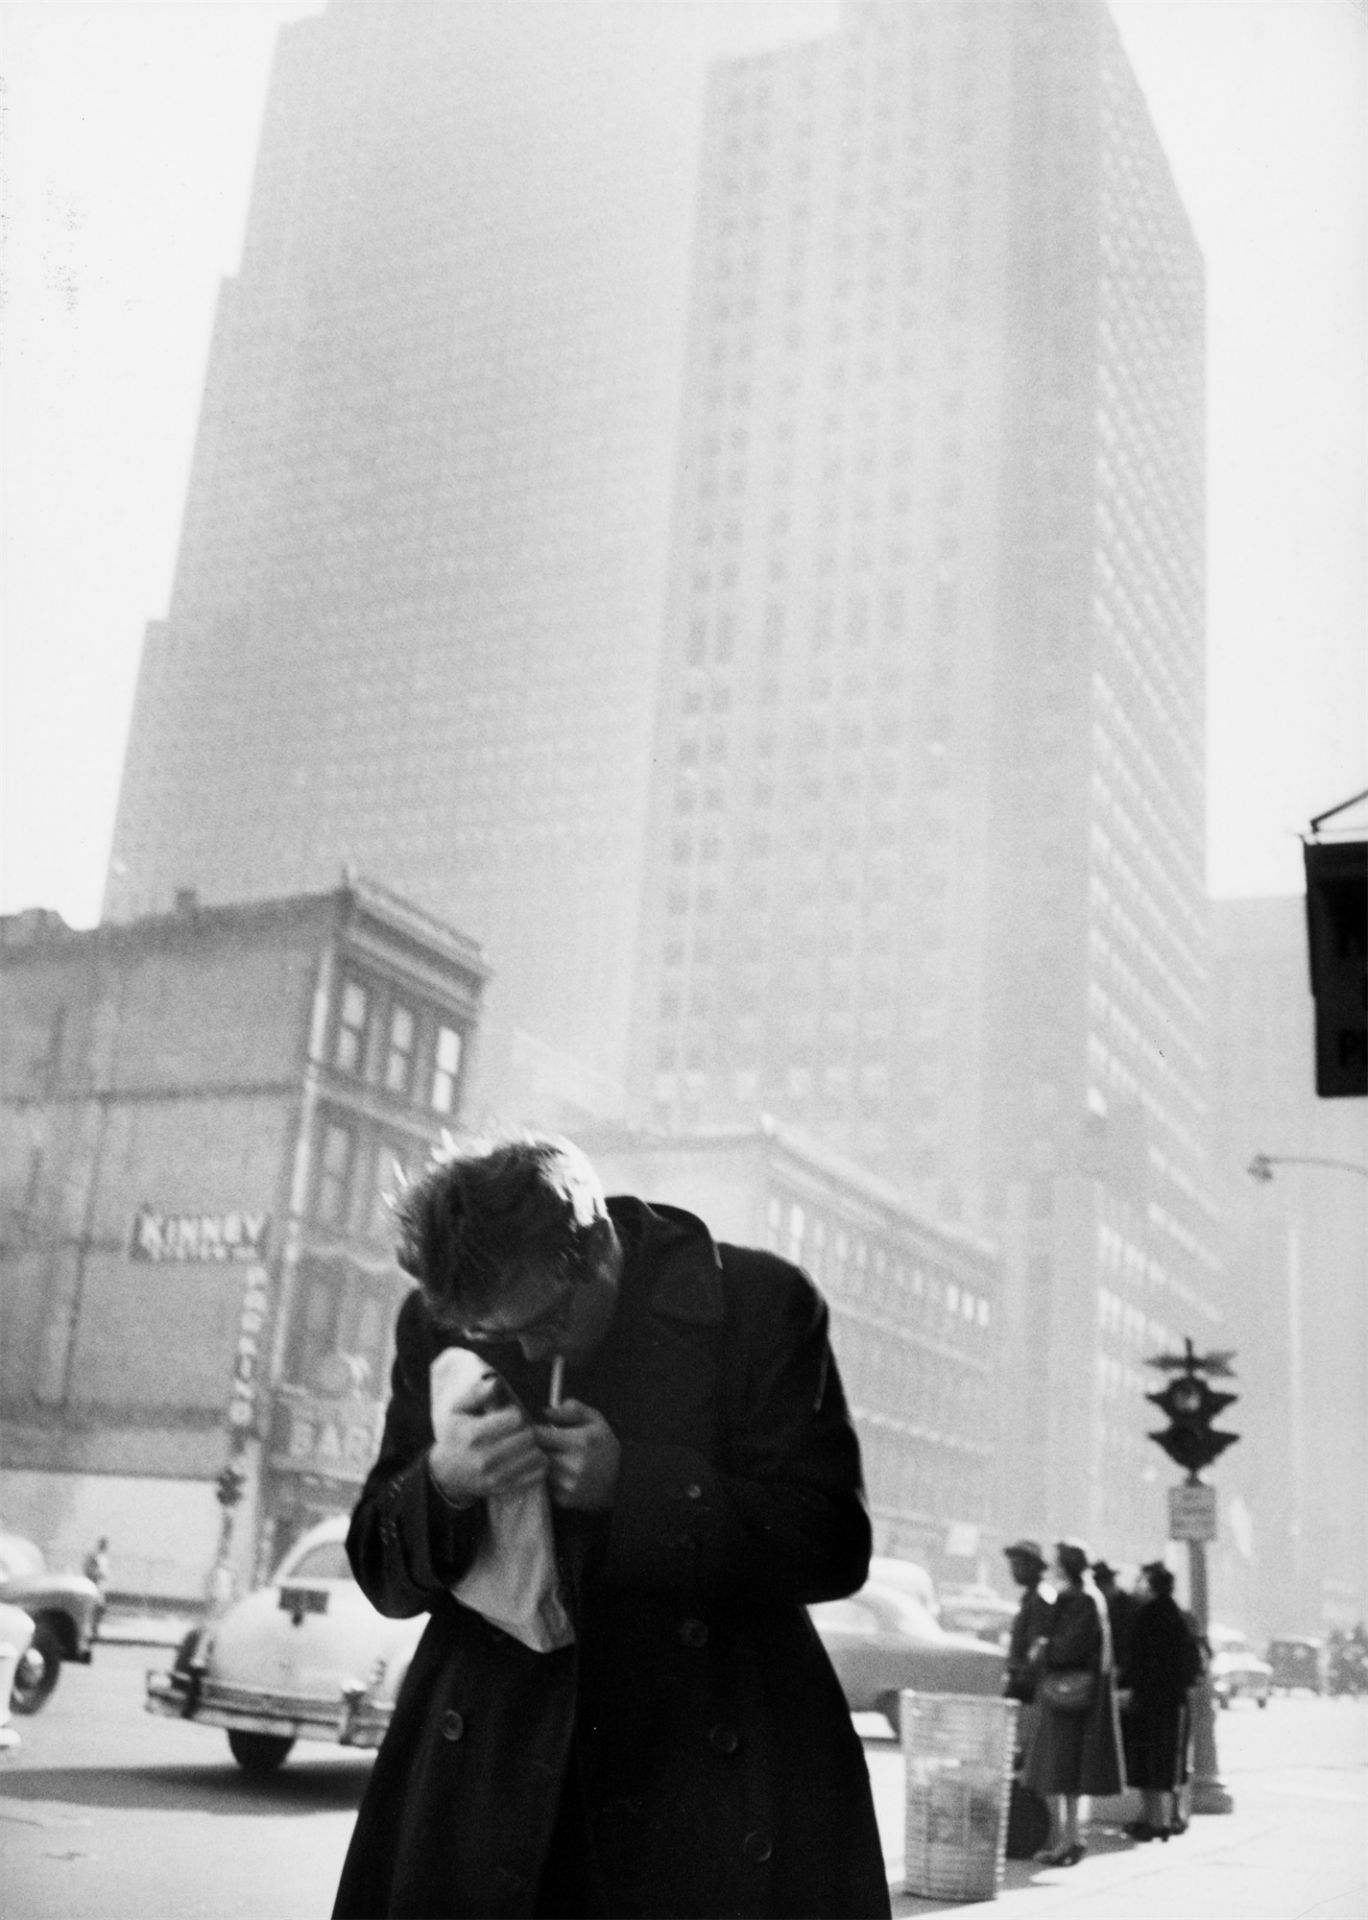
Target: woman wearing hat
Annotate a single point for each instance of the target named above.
(1076, 1745)
(1164, 1661)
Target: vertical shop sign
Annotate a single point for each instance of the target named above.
(253, 1318)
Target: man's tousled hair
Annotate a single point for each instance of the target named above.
(479, 1208)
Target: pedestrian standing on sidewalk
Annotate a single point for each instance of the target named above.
(1163, 1662)
(95, 1567)
(677, 1744)
(1076, 1744)
(1122, 1606)
(1031, 1621)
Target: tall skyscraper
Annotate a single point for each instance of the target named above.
(417, 604)
(1297, 1316)
(927, 815)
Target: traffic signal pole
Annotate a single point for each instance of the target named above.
(1208, 1792)
(1193, 1442)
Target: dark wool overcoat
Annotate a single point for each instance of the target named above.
(691, 1753)
(1077, 1753)
(1163, 1663)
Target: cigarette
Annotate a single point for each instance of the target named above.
(557, 1375)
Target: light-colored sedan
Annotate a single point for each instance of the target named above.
(1237, 1672)
(64, 1609)
(885, 1638)
(307, 1657)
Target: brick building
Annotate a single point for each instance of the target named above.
(200, 1116)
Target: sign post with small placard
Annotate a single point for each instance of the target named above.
(1193, 1441)
(1192, 1512)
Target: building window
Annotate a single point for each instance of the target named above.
(445, 1066)
(334, 1175)
(389, 1178)
(399, 1059)
(340, 1311)
(350, 1052)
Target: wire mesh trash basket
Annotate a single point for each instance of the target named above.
(957, 1754)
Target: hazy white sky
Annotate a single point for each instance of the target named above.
(131, 131)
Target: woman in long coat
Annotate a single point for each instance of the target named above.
(691, 1752)
(1074, 1753)
(1164, 1662)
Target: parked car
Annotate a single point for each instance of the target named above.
(16, 1634)
(885, 1638)
(63, 1608)
(1297, 1660)
(307, 1657)
(978, 1610)
(1237, 1672)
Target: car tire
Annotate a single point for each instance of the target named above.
(1263, 1699)
(259, 1753)
(38, 1672)
(890, 1706)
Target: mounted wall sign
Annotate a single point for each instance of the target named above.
(212, 1237)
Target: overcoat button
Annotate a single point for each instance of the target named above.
(757, 1846)
(694, 1633)
(453, 1725)
(724, 1739)
(694, 1492)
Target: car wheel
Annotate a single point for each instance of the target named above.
(259, 1753)
(1263, 1699)
(38, 1672)
(890, 1706)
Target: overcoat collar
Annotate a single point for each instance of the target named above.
(675, 1256)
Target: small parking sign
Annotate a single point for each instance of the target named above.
(1192, 1513)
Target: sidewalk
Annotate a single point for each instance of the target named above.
(1296, 1846)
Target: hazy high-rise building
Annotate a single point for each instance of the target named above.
(928, 804)
(1295, 1562)
(418, 594)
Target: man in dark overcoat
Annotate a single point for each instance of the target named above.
(689, 1752)
(1163, 1662)
(1122, 1607)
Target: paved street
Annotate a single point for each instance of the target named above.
(109, 1814)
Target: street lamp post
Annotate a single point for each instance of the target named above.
(1260, 1169)
(1261, 1166)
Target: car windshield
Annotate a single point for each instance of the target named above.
(18, 1558)
(327, 1561)
(878, 1609)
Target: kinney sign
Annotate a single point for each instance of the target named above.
(198, 1236)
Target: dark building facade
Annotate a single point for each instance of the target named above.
(416, 607)
(203, 1113)
(914, 1316)
(927, 830)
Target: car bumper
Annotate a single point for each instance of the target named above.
(351, 1719)
(1241, 1689)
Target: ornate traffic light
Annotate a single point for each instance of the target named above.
(1191, 1405)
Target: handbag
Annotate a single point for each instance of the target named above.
(1068, 1689)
